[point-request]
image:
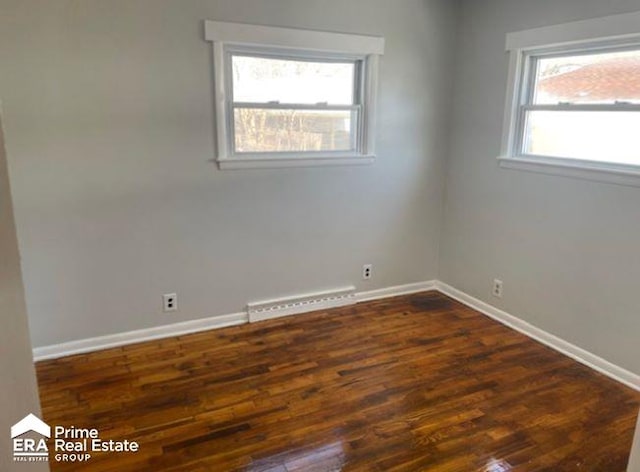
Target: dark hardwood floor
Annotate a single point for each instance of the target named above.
(412, 383)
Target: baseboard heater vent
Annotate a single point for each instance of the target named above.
(266, 310)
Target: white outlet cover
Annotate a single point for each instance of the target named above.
(170, 302)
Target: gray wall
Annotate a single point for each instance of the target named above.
(19, 390)
(567, 250)
(109, 122)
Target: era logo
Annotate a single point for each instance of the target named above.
(27, 448)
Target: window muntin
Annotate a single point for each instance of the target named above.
(581, 106)
(284, 104)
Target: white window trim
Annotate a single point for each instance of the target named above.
(607, 32)
(226, 35)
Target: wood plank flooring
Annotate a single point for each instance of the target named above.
(412, 383)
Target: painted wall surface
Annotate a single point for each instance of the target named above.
(110, 130)
(566, 249)
(19, 390)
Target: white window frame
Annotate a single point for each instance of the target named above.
(257, 41)
(617, 32)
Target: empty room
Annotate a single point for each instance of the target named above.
(320, 235)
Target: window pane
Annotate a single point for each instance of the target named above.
(268, 130)
(595, 136)
(262, 80)
(591, 78)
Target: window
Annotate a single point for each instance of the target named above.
(574, 100)
(584, 107)
(283, 104)
(291, 97)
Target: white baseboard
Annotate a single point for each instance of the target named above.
(395, 291)
(130, 337)
(584, 357)
(113, 340)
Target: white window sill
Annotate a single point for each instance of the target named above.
(280, 162)
(620, 175)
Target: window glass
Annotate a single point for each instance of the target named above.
(588, 78)
(605, 136)
(286, 130)
(263, 80)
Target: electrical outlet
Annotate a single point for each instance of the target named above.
(170, 302)
(497, 288)
(367, 271)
